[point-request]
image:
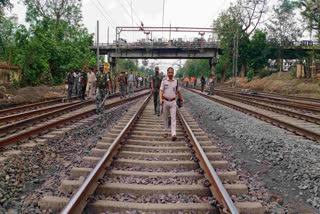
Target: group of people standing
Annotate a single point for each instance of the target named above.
(212, 81)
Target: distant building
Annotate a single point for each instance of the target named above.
(8, 74)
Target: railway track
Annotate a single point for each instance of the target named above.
(300, 119)
(22, 108)
(273, 96)
(30, 127)
(134, 168)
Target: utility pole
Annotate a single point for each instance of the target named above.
(98, 45)
(235, 59)
(108, 37)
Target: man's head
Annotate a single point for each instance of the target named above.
(131, 71)
(77, 70)
(156, 69)
(101, 68)
(90, 70)
(122, 73)
(70, 70)
(170, 72)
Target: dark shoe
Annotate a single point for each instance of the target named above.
(174, 138)
(158, 115)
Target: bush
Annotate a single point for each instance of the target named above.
(264, 73)
(250, 75)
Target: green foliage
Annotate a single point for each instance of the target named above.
(264, 73)
(195, 68)
(258, 51)
(250, 75)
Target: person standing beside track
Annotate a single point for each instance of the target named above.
(186, 80)
(192, 82)
(131, 80)
(91, 78)
(123, 84)
(168, 91)
(203, 83)
(155, 87)
(83, 84)
(103, 84)
(212, 82)
(69, 82)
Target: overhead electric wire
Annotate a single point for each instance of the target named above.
(219, 10)
(134, 12)
(128, 13)
(103, 14)
(105, 11)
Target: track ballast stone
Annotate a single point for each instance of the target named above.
(39, 170)
(288, 166)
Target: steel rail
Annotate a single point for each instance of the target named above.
(19, 108)
(23, 135)
(288, 103)
(314, 101)
(78, 201)
(298, 130)
(277, 110)
(217, 189)
(32, 112)
(68, 107)
(11, 126)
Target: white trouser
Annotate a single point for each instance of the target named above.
(172, 108)
(89, 90)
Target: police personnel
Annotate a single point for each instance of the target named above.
(155, 87)
(168, 91)
(203, 83)
(69, 82)
(76, 82)
(212, 82)
(103, 81)
(83, 84)
(123, 83)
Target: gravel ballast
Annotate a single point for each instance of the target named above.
(38, 171)
(287, 166)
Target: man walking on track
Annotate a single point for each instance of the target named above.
(168, 91)
(131, 80)
(91, 82)
(69, 82)
(103, 83)
(122, 85)
(155, 87)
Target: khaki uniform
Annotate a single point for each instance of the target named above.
(170, 90)
(90, 87)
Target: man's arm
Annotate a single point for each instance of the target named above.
(180, 98)
(152, 86)
(160, 96)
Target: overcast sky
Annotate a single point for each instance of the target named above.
(112, 13)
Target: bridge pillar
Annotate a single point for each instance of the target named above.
(112, 62)
(213, 62)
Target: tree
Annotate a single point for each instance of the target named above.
(283, 28)
(67, 10)
(259, 51)
(311, 12)
(238, 22)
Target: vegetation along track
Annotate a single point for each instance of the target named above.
(134, 168)
(32, 126)
(299, 119)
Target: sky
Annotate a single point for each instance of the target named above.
(112, 13)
